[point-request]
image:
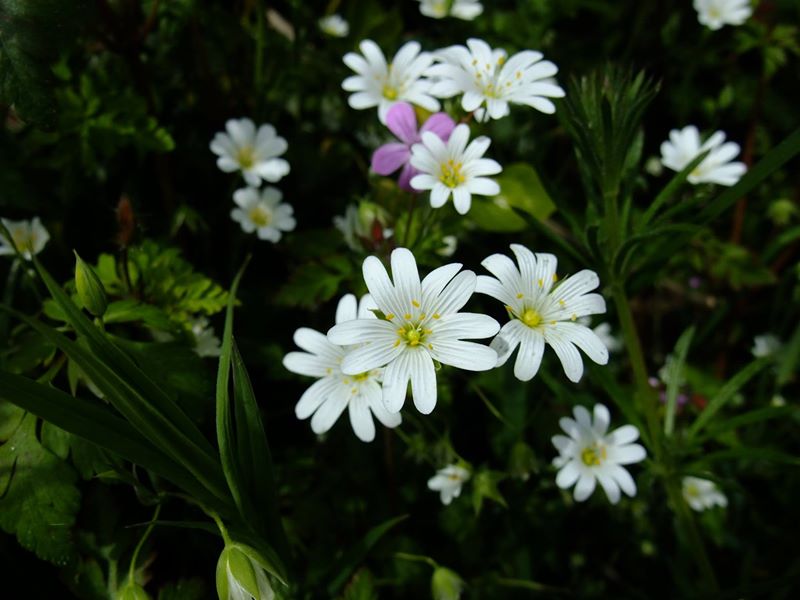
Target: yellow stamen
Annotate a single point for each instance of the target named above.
(531, 318)
(451, 174)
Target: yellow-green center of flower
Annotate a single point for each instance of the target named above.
(22, 240)
(530, 317)
(593, 455)
(260, 216)
(412, 334)
(246, 157)
(390, 92)
(361, 376)
(692, 490)
(451, 174)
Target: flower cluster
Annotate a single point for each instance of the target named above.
(255, 153)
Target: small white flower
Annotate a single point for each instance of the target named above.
(460, 9)
(422, 325)
(590, 454)
(488, 77)
(701, 494)
(334, 391)
(603, 332)
(449, 245)
(252, 152)
(543, 311)
(765, 345)
(206, 343)
(30, 237)
(684, 146)
(448, 482)
(714, 14)
(263, 212)
(334, 25)
(455, 168)
(377, 83)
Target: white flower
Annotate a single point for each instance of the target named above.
(543, 311)
(252, 152)
(460, 9)
(591, 454)
(29, 237)
(765, 345)
(489, 77)
(422, 325)
(206, 343)
(684, 146)
(716, 13)
(449, 245)
(448, 482)
(383, 85)
(263, 212)
(701, 494)
(334, 25)
(334, 391)
(454, 168)
(603, 332)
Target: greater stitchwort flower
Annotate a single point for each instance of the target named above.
(29, 237)
(448, 482)
(383, 85)
(490, 79)
(460, 9)
(263, 212)
(402, 122)
(714, 14)
(454, 168)
(590, 454)
(543, 310)
(765, 344)
(254, 153)
(334, 391)
(702, 494)
(334, 25)
(684, 146)
(420, 324)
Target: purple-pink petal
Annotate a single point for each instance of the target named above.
(441, 124)
(390, 157)
(402, 122)
(404, 181)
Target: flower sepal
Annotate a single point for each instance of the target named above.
(242, 574)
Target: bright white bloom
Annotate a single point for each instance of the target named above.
(421, 325)
(701, 494)
(765, 345)
(591, 454)
(488, 77)
(543, 310)
(460, 9)
(455, 168)
(334, 26)
(714, 14)
(30, 237)
(327, 398)
(263, 212)
(684, 146)
(384, 85)
(206, 343)
(448, 482)
(252, 152)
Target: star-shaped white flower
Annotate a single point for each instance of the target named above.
(543, 310)
(590, 454)
(377, 83)
(702, 494)
(460, 9)
(684, 146)
(334, 25)
(489, 79)
(421, 325)
(328, 397)
(765, 344)
(29, 237)
(254, 153)
(454, 168)
(714, 14)
(448, 482)
(263, 212)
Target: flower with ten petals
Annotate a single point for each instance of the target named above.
(254, 153)
(702, 494)
(448, 482)
(590, 454)
(714, 14)
(421, 324)
(684, 146)
(488, 77)
(29, 237)
(543, 310)
(460, 9)
(377, 83)
(334, 391)
(263, 212)
(334, 26)
(402, 122)
(454, 168)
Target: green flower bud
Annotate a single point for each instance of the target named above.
(446, 584)
(241, 575)
(90, 289)
(132, 591)
(782, 211)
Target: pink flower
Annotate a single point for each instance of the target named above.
(402, 122)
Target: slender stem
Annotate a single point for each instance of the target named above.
(409, 219)
(258, 63)
(135, 557)
(417, 558)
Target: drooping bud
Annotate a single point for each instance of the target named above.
(446, 584)
(132, 591)
(90, 289)
(241, 575)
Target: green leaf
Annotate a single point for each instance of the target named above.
(40, 500)
(521, 188)
(315, 282)
(670, 189)
(675, 369)
(10, 418)
(495, 214)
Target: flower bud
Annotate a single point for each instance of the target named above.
(446, 584)
(241, 575)
(132, 591)
(90, 289)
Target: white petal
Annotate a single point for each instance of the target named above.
(464, 326)
(359, 331)
(585, 487)
(405, 277)
(529, 357)
(347, 309)
(623, 435)
(568, 355)
(329, 413)
(623, 479)
(507, 340)
(601, 419)
(371, 356)
(568, 475)
(610, 487)
(627, 455)
(423, 381)
(395, 382)
(307, 364)
(314, 396)
(361, 419)
(465, 355)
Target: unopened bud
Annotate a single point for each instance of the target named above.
(240, 576)
(90, 289)
(446, 584)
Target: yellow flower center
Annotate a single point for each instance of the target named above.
(246, 157)
(390, 92)
(412, 334)
(692, 490)
(593, 456)
(531, 318)
(451, 174)
(361, 376)
(260, 216)
(22, 240)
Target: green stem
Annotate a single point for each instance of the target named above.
(417, 558)
(135, 557)
(258, 64)
(409, 220)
